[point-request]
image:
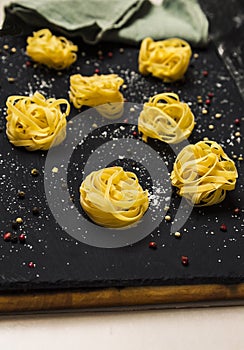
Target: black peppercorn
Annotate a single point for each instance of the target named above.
(14, 225)
(35, 211)
(14, 238)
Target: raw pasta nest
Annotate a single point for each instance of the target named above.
(165, 118)
(203, 173)
(112, 197)
(99, 91)
(36, 123)
(55, 52)
(166, 59)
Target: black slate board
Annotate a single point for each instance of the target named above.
(63, 263)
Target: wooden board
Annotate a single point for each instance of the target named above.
(131, 297)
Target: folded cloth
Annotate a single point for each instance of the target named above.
(127, 21)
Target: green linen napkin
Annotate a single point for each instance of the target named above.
(127, 21)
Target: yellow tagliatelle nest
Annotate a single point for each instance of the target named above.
(112, 197)
(55, 52)
(165, 118)
(203, 173)
(99, 91)
(36, 123)
(166, 59)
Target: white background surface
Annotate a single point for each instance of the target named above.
(184, 329)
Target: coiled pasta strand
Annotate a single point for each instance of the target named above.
(36, 123)
(167, 59)
(166, 118)
(112, 197)
(99, 91)
(55, 52)
(203, 173)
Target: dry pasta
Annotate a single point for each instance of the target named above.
(36, 123)
(112, 197)
(55, 52)
(99, 91)
(166, 59)
(203, 173)
(165, 118)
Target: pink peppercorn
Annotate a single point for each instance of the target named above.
(152, 245)
(184, 260)
(223, 228)
(7, 236)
